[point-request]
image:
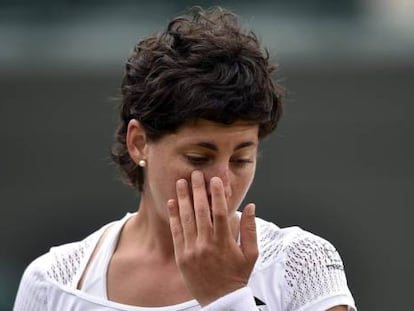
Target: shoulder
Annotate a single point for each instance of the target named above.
(293, 244)
(61, 265)
(307, 269)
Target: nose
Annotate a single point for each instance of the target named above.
(223, 172)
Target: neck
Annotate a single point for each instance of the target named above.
(147, 233)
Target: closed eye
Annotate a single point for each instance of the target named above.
(241, 162)
(197, 160)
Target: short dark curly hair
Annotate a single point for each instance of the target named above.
(203, 65)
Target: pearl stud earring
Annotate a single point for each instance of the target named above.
(142, 163)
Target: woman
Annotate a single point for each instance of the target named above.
(196, 101)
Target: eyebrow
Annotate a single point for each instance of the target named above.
(213, 147)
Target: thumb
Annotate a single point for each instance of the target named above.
(248, 236)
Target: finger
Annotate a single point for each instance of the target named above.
(175, 226)
(201, 205)
(248, 235)
(186, 210)
(219, 208)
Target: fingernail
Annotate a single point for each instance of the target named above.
(252, 210)
(181, 183)
(170, 205)
(196, 174)
(215, 180)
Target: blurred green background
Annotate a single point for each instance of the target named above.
(340, 164)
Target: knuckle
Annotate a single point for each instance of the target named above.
(176, 230)
(251, 227)
(192, 257)
(187, 219)
(184, 260)
(204, 249)
(202, 210)
(220, 213)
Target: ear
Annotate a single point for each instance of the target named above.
(136, 141)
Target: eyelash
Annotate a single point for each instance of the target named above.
(199, 161)
(242, 162)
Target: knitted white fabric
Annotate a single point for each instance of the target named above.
(59, 266)
(313, 272)
(240, 300)
(296, 270)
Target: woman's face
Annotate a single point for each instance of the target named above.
(226, 151)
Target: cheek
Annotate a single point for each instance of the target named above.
(166, 180)
(246, 177)
(244, 185)
(241, 185)
(248, 180)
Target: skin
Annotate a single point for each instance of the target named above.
(178, 167)
(187, 225)
(205, 247)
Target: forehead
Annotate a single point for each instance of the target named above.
(200, 128)
(202, 132)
